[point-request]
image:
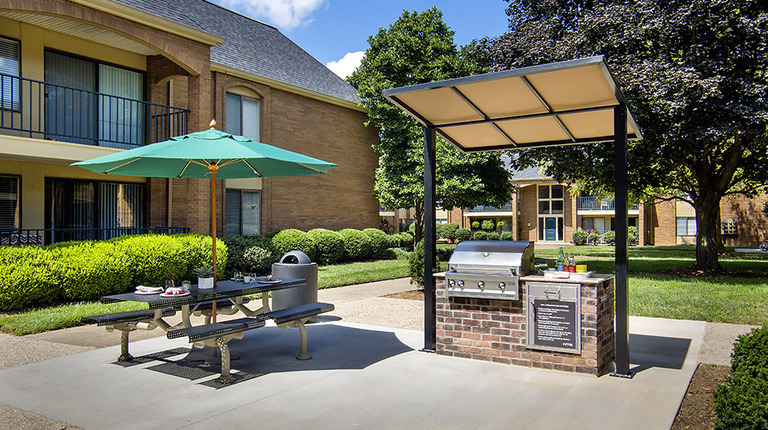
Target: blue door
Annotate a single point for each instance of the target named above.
(550, 229)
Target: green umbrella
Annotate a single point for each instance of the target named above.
(207, 154)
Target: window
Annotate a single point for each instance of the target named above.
(243, 212)
(9, 73)
(243, 116)
(9, 202)
(93, 103)
(94, 210)
(551, 208)
(686, 226)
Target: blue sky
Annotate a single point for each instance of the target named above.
(336, 31)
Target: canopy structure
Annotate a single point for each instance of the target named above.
(565, 103)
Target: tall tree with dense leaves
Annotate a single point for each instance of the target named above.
(695, 75)
(419, 48)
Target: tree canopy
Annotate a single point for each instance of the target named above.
(419, 48)
(695, 75)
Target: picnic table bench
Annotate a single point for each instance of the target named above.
(218, 335)
(230, 298)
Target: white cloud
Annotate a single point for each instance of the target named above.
(285, 14)
(346, 65)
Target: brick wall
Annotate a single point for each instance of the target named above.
(495, 330)
(663, 223)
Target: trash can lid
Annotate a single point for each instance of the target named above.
(295, 257)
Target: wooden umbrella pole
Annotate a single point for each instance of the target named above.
(213, 169)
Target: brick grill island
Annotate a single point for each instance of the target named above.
(496, 330)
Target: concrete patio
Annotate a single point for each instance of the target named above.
(361, 376)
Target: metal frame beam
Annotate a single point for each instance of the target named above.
(622, 204)
(430, 241)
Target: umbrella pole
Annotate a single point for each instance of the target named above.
(213, 234)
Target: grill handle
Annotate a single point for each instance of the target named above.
(556, 293)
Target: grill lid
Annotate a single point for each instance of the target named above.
(491, 254)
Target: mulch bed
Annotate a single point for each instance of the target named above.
(696, 412)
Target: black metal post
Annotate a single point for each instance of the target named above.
(621, 226)
(430, 240)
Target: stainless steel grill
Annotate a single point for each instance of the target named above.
(488, 269)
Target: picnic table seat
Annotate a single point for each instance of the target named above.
(126, 322)
(217, 335)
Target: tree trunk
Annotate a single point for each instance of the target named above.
(418, 232)
(708, 226)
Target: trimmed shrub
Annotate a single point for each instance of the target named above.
(237, 247)
(740, 402)
(492, 235)
(257, 259)
(330, 245)
(632, 237)
(475, 224)
(294, 240)
(609, 237)
(393, 240)
(580, 237)
(357, 245)
(592, 238)
(506, 235)
(379, 242)
(406, 240)
(28, 277)
(462, 234)
(443, 253)
(750, 351)
(198, 252)
(480, 235)
(416, 265)
(75, 271)
(447, 231)
(488, 225)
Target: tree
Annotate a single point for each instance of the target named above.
(419, 48)
(695, 75)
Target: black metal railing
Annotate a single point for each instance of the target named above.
(42, 110)
(505, 207)
(47, 236)
(592, 203)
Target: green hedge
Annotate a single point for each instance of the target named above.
(379, 242)
(250, 253)
(741, 402)
(580, 237)
(506, 235)
(77, 271)
(357, 245)
(462, 234)
(480, 235)
(294, 240)
(329, 245)
(447, 231)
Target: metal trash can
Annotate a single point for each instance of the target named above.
(295, 264)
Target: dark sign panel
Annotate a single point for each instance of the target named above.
(555, 324)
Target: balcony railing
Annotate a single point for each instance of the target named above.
(505, 207)
(592, 203)
(47, 236)
(42, 110)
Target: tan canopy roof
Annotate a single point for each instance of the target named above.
(553, 104)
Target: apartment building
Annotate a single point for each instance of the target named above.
(85, 78)
(544, 211)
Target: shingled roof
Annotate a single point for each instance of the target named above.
(251, 46)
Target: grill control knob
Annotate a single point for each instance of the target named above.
(461, 284)
(480, 284)
(502, 286)
(451, 283)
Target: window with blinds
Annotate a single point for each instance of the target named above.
(243, 212)
(9, 73)
(243, 116)
(9, 202)
(101, 209)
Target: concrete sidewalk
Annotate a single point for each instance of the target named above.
(362, 376)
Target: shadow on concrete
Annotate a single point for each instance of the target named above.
(271, 350)
(657, 351)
